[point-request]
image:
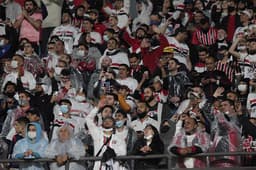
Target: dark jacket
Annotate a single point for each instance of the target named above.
(157, 147)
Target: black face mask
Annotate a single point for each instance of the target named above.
(21, 47)
(142, 115)
(140, 37)
(231, 9)
(205, 30)
(38, 93)
(241, 9)
(10, 94)
(252, 52)
(220, 56)
(41, 75)
(164, 129)
(154, 42)
(79, 17)
(150, 99)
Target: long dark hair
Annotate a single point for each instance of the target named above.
(156, 133)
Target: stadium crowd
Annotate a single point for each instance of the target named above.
(127, 77)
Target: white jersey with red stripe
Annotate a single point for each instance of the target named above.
(181, 50)
(139, 125)
(249, 66)
(122, 14)
(67, 34)
(28, 80)
(130, 82)
(94, 36)
(61, 120)
(118, 57)
(80, 109)
(51, 61)
(251, 103)
(162, 96)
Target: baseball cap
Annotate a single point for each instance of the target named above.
(168, 49)
(157, 79)
(246, 12)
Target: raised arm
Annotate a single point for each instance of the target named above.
(232, 49)
(36, 23)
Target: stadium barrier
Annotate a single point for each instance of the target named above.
(168, 157)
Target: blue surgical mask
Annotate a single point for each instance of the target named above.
(64, 109)
(119, 123)
(157, 23)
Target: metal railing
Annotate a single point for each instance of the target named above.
(169, 158)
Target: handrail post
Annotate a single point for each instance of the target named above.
(67, 165)
(132, 164)
(207, 161)
(169, 161)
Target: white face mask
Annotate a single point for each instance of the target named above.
(32, 134)
(58, 70)
(80, 53)
(253, 114)
(105, 38)
(14, 64)
(80, 98)
(148, 137)
(226, 113)
(1, 42)
(108, 129)
(241, 48)
(242, 87)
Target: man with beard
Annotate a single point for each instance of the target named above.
(29, 23)
(95, 77)
(137, 70)
(117, 56)
(43, 102)
(143, 119)
(157, 110)
(134, 42)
